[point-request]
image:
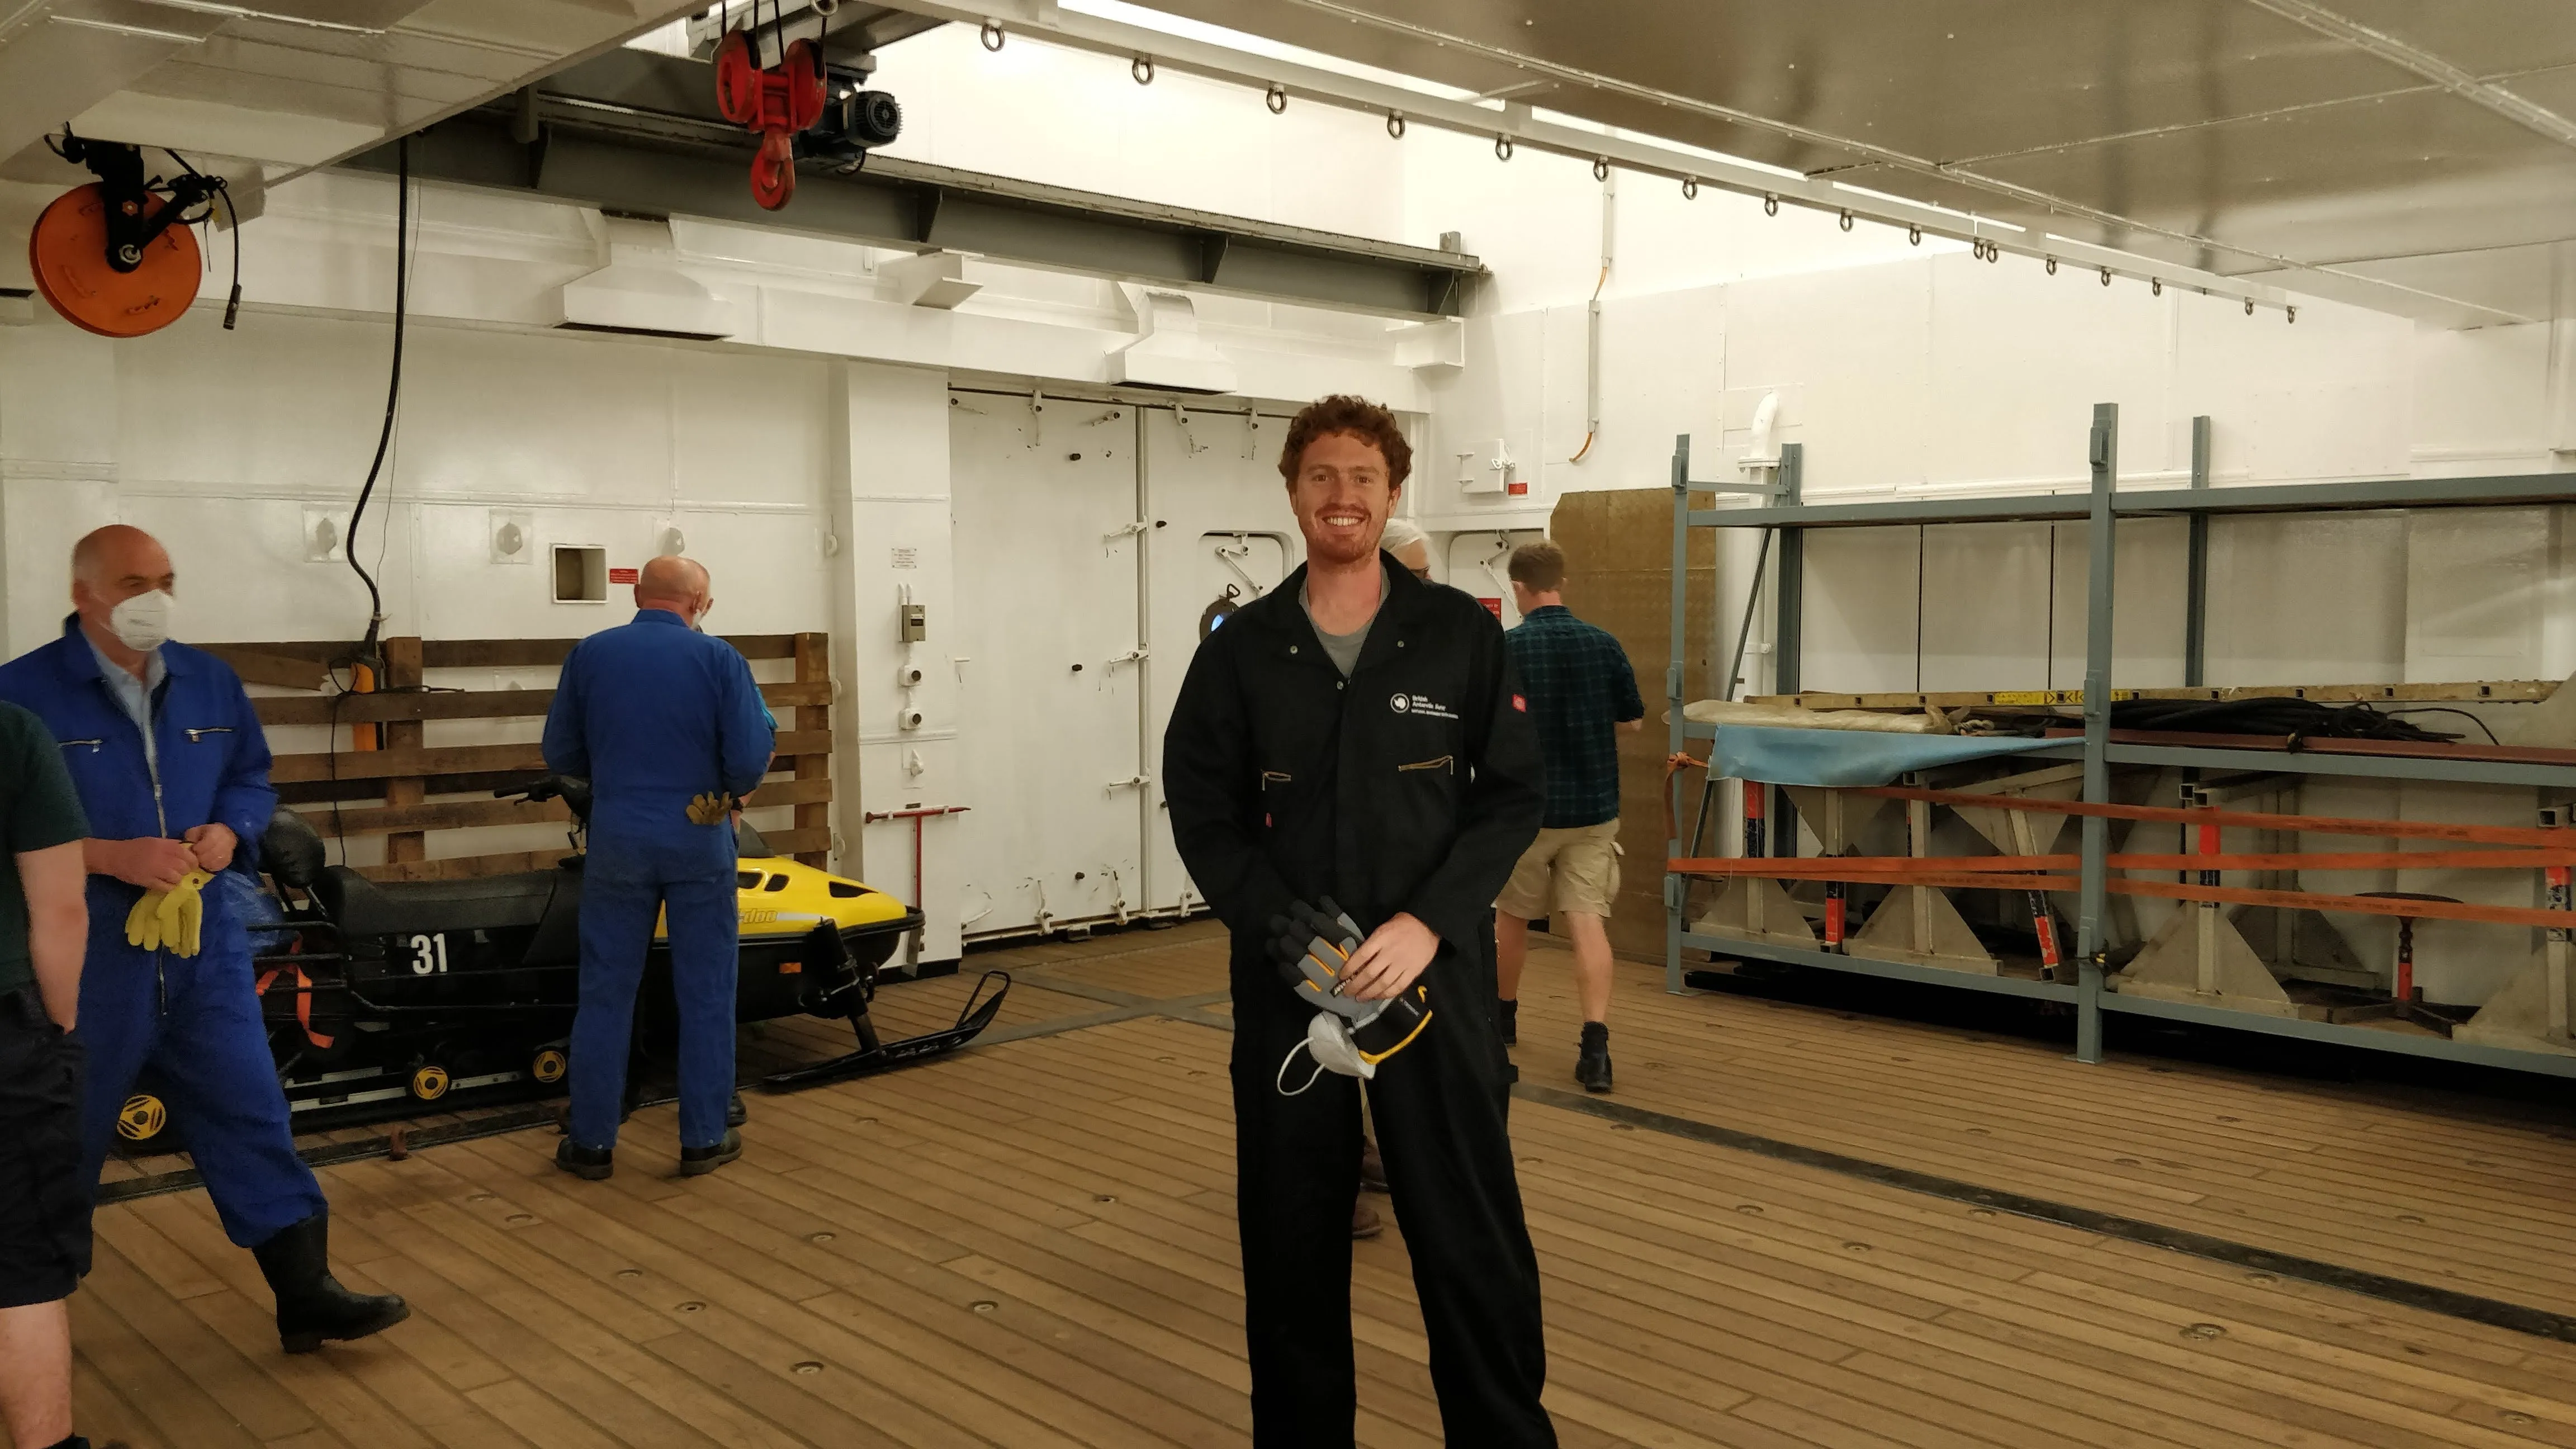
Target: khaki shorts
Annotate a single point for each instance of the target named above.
(1565, 870)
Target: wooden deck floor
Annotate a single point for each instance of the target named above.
(1032, 1244)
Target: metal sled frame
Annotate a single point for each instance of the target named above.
(874, 1056)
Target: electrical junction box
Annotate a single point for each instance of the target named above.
(914, 621)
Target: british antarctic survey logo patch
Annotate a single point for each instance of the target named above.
(1421, 705)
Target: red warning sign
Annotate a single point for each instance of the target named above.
(1492, 606)
(621, 576)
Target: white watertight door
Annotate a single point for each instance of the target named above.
(1222, 523)
(1048, 549)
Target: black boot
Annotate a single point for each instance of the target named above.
(312, 1306)
(735, 1112)
(590, 1164)
(1592, 1068)
(1511, 1023)
(698, 1161)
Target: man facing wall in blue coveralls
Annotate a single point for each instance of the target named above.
(667, 725)
(172, 771)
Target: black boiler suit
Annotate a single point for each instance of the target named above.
(1412, 786)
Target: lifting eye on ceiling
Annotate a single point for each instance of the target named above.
(1914, 234)
(991, 35)
(2249, 306)
(1690, 188)
(2052, 266)
(1600, 168)
(1770, 204)
(1502, 148)
(1994, 251)
(2293, 313)
(2155, 286)
(1395, 124)
(1846, 221)
(1142, 68)
(2106, 276)
(1276, 99)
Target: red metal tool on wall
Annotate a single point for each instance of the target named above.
(777, 102)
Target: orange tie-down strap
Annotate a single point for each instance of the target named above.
(2245, 819)
(303, 1004)
(1952, 872)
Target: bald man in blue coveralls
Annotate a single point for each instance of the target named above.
(667, 725)
(172, 769)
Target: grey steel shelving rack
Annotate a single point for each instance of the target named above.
(1789, 516)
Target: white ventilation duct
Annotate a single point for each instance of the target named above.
(1168, 352)
(642, 291)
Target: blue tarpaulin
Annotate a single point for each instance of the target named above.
(1848, 758)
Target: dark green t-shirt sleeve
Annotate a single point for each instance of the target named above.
(43, 809)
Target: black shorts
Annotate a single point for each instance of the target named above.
(44, 1206)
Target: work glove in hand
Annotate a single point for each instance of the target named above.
(170, 920)
(1310, 946)
(710, 808)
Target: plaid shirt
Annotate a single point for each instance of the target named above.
(1580, 685)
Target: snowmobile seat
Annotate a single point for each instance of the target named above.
(421, 907)
(291, 850)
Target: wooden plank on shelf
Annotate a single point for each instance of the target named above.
(460, 759)
(2498, 691)
(466, 704)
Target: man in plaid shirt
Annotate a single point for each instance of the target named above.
(1581, 689)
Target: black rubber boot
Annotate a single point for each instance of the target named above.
(312, 1306)
(735, 1112)
(590, 1164)
(1592, 1068)
(697, 1161)
(1511, 1023)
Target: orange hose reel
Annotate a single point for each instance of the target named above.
(68, 252)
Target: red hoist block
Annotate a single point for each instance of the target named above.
(777, 103)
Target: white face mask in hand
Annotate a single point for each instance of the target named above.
(142, 623)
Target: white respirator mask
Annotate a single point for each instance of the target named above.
(142, 623)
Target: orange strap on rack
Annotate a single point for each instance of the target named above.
(2415, 910)
(1674, 764)
(303, 1004)
(2309, 824)
(1841, 867)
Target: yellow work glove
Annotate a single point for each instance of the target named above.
(710, 809)
(170, 920)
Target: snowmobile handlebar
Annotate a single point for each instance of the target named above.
(570, 789)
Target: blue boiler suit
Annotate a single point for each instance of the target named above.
(654, 714)
(196, 1018)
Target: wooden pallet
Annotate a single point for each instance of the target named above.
(403, 770)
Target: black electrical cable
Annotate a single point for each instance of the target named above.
(393, 397)
(221, 191)
(2445, 709)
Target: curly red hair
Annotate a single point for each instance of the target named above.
(1360, 418)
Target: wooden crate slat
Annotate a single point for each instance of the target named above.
(799, 843)
(467, 867)
(774, 791)
(283, 671)
(434, 815)
(466, 704)
(462, 759)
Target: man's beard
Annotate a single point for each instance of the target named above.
(1332, 548)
